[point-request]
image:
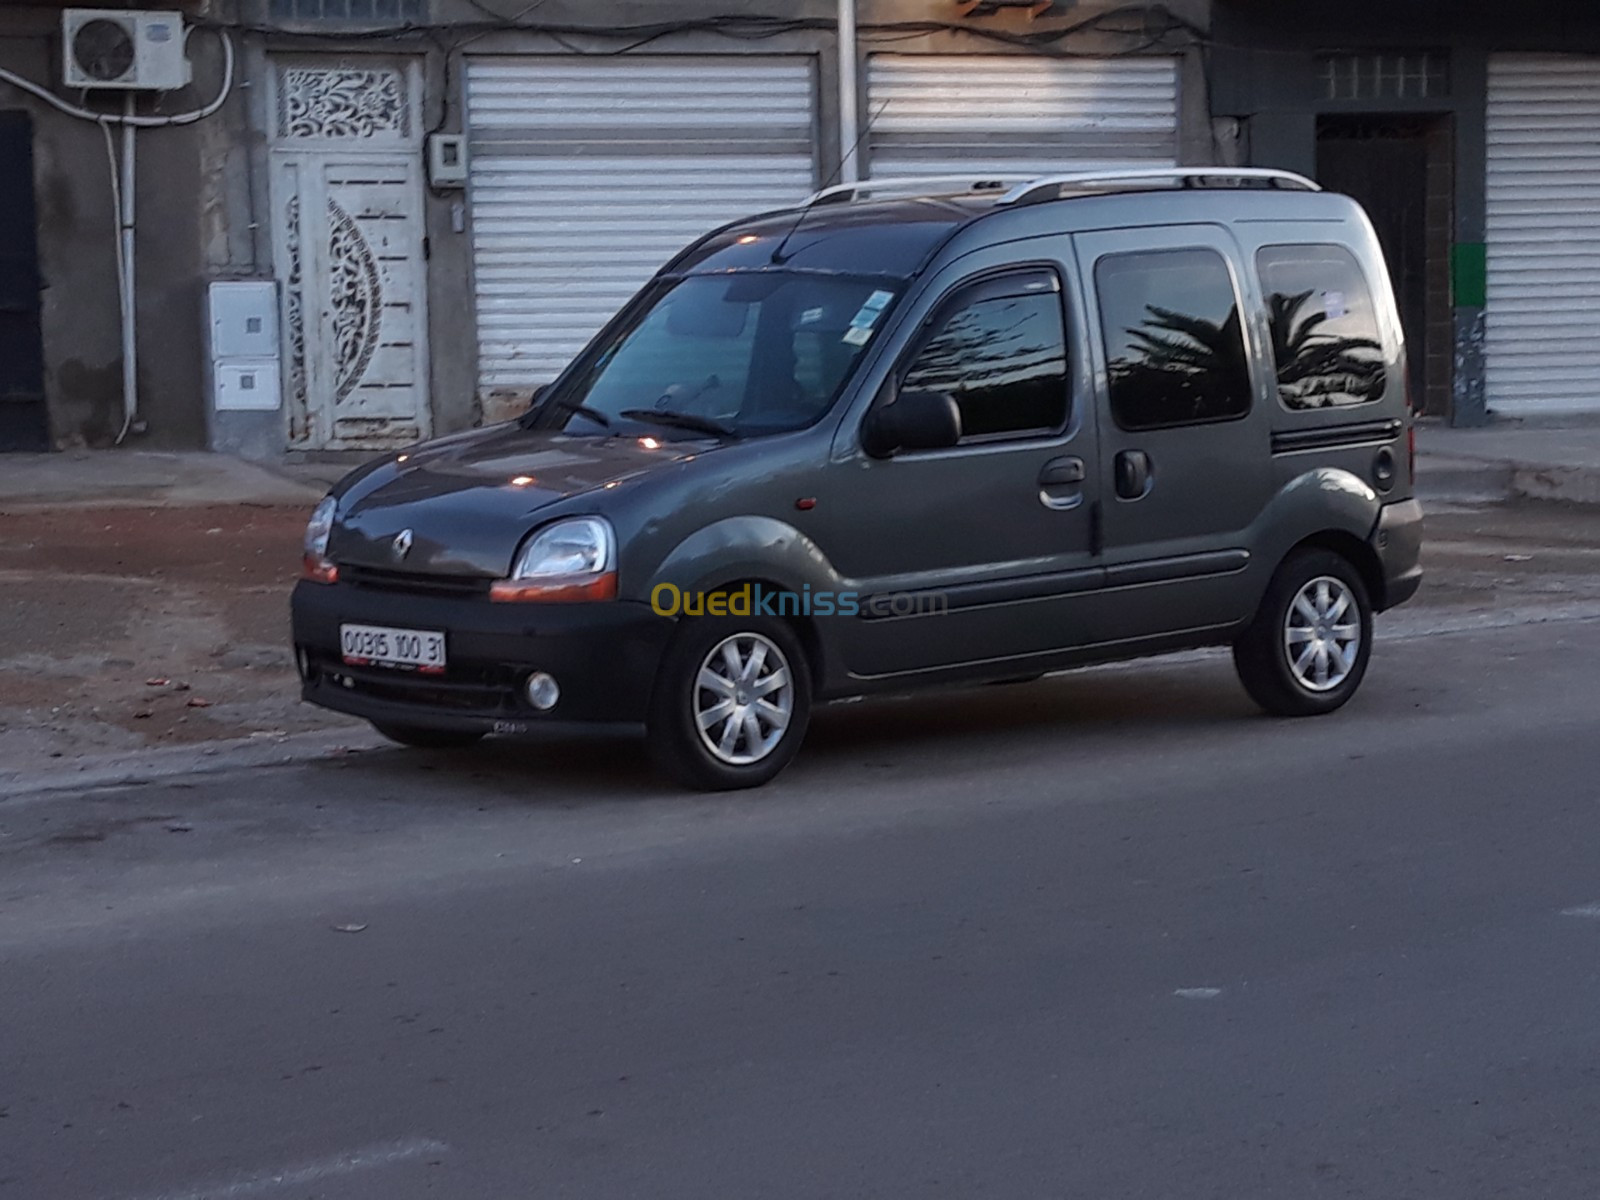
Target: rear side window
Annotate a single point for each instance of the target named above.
(1325, 339)
(1174, 348)
(999, 347)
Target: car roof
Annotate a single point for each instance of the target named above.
(890, 238)
(850, 230)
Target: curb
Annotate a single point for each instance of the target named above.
(1458, 480)
(166, 762)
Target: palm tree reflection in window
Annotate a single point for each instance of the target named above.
(1004, 361)
(1177, 369)
(1315, 369)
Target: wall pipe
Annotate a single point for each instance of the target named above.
(849, 98)
(130, 323)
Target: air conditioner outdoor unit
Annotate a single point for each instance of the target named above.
(120, 48)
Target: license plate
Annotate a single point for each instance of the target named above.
(381, 646)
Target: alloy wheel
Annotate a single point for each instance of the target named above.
(1322, 634)
(743, 699)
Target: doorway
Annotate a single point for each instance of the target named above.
(348, 239)
(1402, 171)
(24, 421)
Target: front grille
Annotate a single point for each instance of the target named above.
(489, 690)
(413, 583)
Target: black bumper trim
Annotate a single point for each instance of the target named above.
(328, 695)
(603, 655)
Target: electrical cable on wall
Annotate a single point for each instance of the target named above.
(1151, 27)
(122, 196)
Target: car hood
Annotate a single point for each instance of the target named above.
(469, 500)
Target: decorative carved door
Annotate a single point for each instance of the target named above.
(348, 238)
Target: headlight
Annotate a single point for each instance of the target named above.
(314, 563)
(571, 560)
(320, 526)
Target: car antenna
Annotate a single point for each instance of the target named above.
(777, 259)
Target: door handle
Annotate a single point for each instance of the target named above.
(1131, 469)
(1060, 471)
(1060, 482)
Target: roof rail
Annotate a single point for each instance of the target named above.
(1050, 187)
(926, 185)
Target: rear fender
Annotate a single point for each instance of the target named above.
(1326, 504)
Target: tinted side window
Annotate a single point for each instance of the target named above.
(1001, 351)
(1174, 346)
(1324, 328)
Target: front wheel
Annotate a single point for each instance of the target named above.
(423, 738)
(731, 704)
(1307, 649)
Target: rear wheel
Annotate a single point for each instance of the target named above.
(423, 738)
(731, 704)
(1307, 649)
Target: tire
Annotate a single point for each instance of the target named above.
(423, 738)
(1291, 656)
(727, 754)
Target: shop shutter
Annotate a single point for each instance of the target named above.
(1543, 317)
(588, 174)
(938, 114)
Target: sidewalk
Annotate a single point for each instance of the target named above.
(146, 479)
(1509, 460)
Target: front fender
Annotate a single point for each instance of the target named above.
(740, 548)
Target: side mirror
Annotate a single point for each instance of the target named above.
(539, 394)
(912, 421)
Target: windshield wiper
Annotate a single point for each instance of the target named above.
(678, 420)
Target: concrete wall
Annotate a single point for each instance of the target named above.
(77, 248)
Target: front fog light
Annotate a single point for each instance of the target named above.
(542, 690)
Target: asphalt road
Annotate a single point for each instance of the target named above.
(1108, 935)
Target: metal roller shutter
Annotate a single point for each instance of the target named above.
(588, 174)
(1543, 318)
(937, 114)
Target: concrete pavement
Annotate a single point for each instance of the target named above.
(1108, 935)
(1509, 460)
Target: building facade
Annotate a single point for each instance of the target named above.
(444, 205)
(60, 305)
(1471, 131)
(418, 210)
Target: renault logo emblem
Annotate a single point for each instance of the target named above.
(401, 545)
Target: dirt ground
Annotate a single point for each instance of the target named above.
(127, 628)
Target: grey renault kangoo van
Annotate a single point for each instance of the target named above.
(925, 432)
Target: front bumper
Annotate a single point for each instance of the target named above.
(1398, 541)
(603, 655)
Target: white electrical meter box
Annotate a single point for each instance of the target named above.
(244, 319)
(247, 386)
(448, 165)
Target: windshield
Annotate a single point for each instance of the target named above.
(732, 355)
